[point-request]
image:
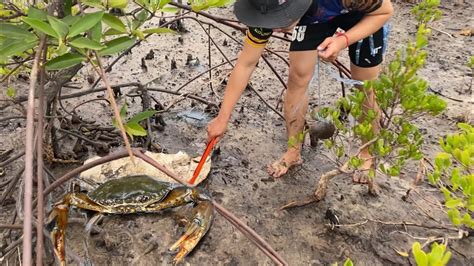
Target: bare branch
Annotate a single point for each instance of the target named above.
(29, 149)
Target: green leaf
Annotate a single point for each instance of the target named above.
(134, 129)
(141, 116)
(454, 216)
(59, 27)
(453, 203)
(82, 42)
(158, 30)
(436, 253)
(141, 17)
(163, 3)
(420, 256)
(69, 20)
(446, 258)
(465, 158)
(123, 111)
(61, 49)
(111, 31)
(96, 32)
(169, 9)
(139, 34)
(36, 13)
(117, 3)
(442, 160)
(117, 45)
(114, 22)
(348, 262)
(16, 47)
(11, 92)
(85, 23)
(41, 26)
(64, 61)
(15, 32)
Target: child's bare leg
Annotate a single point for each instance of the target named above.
(295, 107)
(370, 73)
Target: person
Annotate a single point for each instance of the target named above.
(321, 28)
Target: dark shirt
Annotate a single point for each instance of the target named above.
(320, 11)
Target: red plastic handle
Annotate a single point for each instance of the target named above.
(208, 150)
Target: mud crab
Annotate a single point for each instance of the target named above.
(138, 194)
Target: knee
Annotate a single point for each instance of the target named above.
(299, 79)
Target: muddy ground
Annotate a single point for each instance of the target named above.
(238, 180)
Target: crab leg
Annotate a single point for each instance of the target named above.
(58, 234)
(202, 218)
(60, 212)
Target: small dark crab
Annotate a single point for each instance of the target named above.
(138, 194)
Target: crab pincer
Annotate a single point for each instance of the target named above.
(196, 228)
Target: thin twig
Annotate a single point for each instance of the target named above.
(11, 226)
(201, 74)
(12, 159)
(321, 187)
(118, 119)
(20, 64)
(3, 119)
(11, 186)
(40, 163)
(109, 67)
(79, 136)
(29, 149)
(113, 156)
(197, 98)
(403, 223)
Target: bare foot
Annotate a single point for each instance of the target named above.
(281, 166)
(360, 176)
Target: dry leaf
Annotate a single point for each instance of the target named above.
(466, 32)
(402, 253)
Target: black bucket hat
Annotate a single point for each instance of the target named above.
(270, 14)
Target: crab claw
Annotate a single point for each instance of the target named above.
(202, 218)
(58, 234)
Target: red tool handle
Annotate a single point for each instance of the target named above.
(208, 150)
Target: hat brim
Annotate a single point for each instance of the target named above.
(252, 17)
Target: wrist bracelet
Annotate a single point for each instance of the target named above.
(345, 36)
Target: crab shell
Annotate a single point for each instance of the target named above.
(131, 191)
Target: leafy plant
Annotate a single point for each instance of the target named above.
(132, 126)
(78, 35)
(402, 97)
(438, 255)
(456, 163)
(295, 140)
(427, 11)
(347, 262)
(471, 62)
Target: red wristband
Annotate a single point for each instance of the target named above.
(345, 36)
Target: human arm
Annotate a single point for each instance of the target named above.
(370, 23)
(236, 84)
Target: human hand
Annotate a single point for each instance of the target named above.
(216, 128)
(329, 49)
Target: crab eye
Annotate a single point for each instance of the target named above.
(197, 221)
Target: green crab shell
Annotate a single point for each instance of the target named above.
(131, 191)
